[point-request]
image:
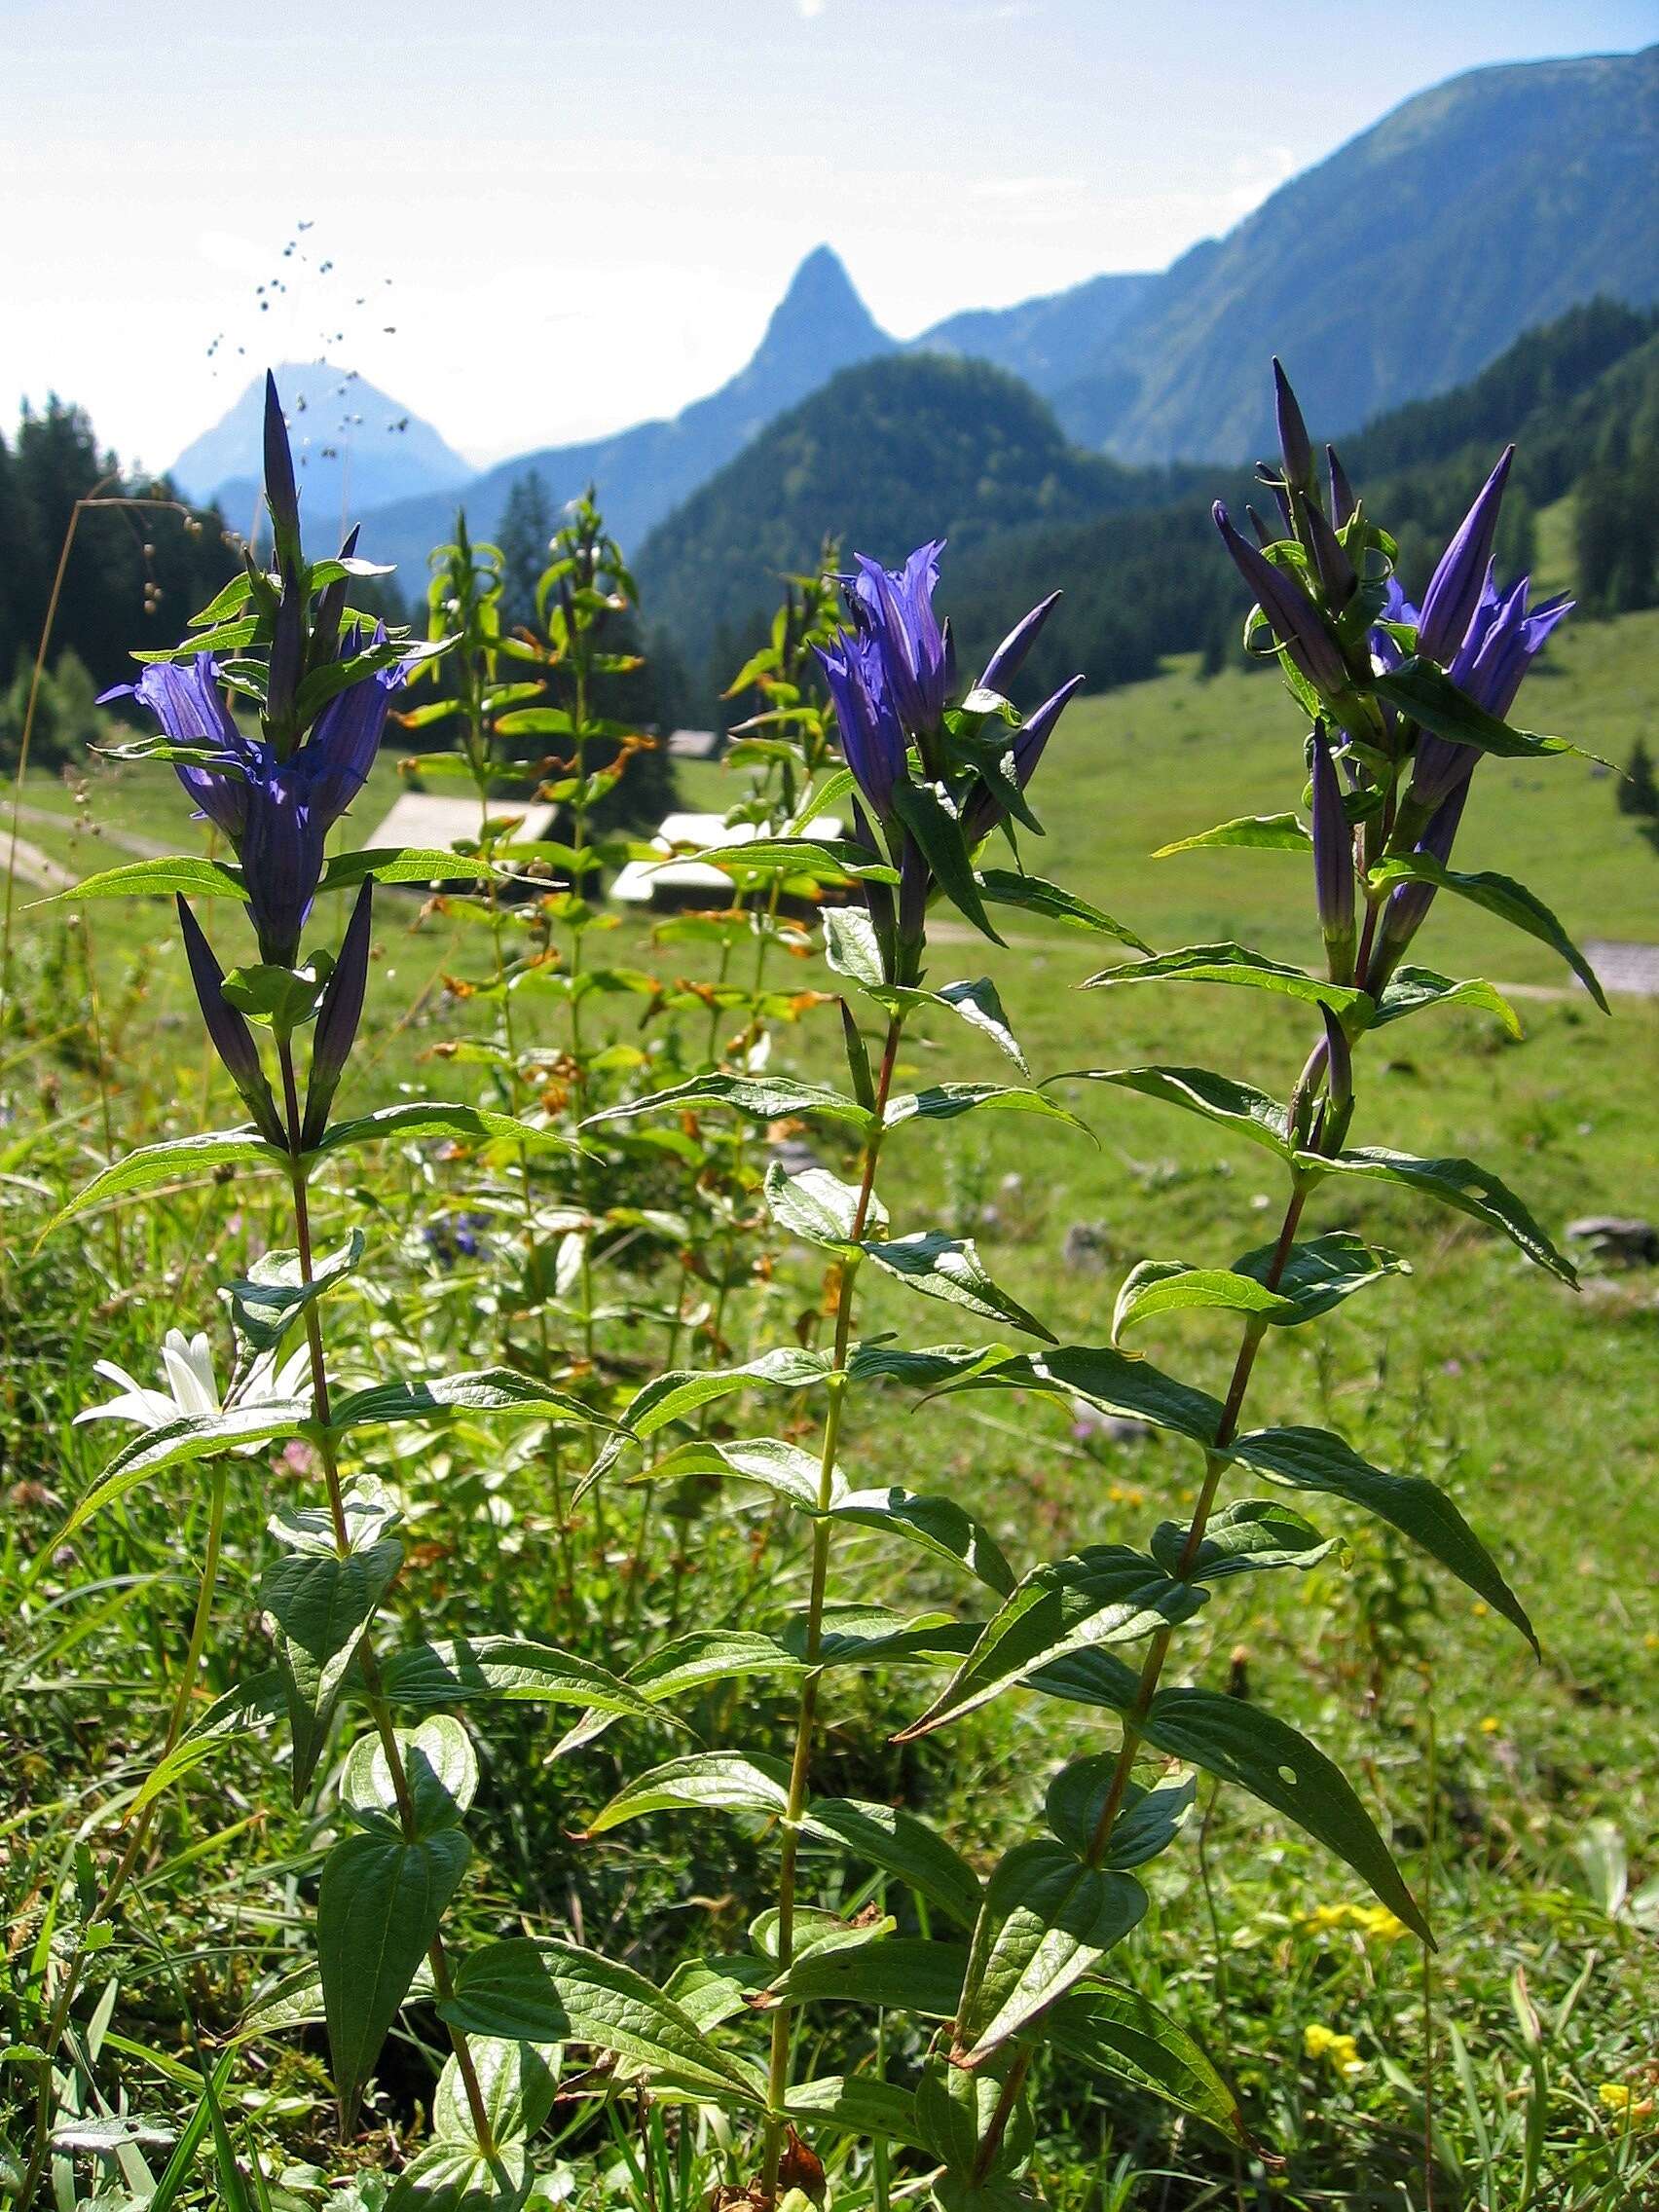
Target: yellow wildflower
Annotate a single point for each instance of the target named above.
(1378, 1921)
(1319, 2041)
(1618, 2097)
(1489, 1726)
(1324, 1917)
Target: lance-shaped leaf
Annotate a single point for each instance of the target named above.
(689, 1663)
(1104, 1594)
(1031, 895)
(722, 1781)
(1460, 1182)
(517, 2083)
(193, 1436)
(451, 2174)
(1315, 1460)
(859, 2104)
(403, 863)
(1409, 990)
(440, 1774)
(1426, 694)
(174, 876)
(682, 1391)
(461, 1671)
(491, 1390)
(1107, 1380)
(1113, 2028)
(937, 831)
(1231, 964)
(1046, 1918)
(555, 1993)
(819, 1207)
(946, 1101)
(1236, 1106)
(1252, 833)
(1147, 1821)
(377, 1909)
(435, 1118)
(1244, 1744)
(1153, 1287)
(321, 1605)
(958, 2110)
(937, 1524)
(851, 1634)
(904, 1973)
(1500, 895)
(1245, 1537)
(939, 1265)
(153, 1164)
(270, 1299)
(762, 1099)
(1320, 1272)
(811, 860)
(784, 1469)
(901, 1844)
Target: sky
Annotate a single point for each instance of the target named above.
(547, 221)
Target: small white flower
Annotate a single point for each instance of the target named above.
(190, 1388)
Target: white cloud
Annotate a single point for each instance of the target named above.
(809, 9)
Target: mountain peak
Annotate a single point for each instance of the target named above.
(821, 309)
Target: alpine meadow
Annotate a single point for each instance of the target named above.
(829, 1245)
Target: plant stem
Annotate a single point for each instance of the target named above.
(778, 2076)
(374, 1695)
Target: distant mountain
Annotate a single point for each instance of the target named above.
(1043, 339)
(1396, 269)
(902, 448)
(355, 448)
(818, 326)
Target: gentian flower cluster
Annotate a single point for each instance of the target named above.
(893, 681)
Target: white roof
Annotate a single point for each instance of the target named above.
(638, 884)
(694, 743)
(426, 819)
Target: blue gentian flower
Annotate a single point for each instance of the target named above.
(277, 813)
(871, 735)
(894, 609)
(1454, 588)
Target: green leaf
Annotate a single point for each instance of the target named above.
(1116, 2030)
(1147, 1821)
(1426, 694)
(784, 1469)
(555, 1993)
(904, 1974)
(1235, 1106)
(692, 1662)
(1003, 887)
(1046, 1918)
(440, 1769)
(1256, 832)
(154, 1163)
(1231, 964)
(901, 1844)
(939, 832)
(852, 948)
(177, 1443)
(725, 1782)
(451, 2174)
(958, 2109)
(461, 1671)
(491, 1390)
(321, 1605)
(1110, 1381)
(431, 1116)
(378, 1906)
(937, 1525)
(401, 864)
(1171, 1286)
(949, 1268)
(270, 1299)
(819, 1207)
(859, 2104)
(167, 877)
(1244, 1744)
(1315, 1460)
(816, 860)
(853, 1635)
(517, 2083)
(1101, 1595)
(1460, 1182)
(1242, 1538)
(1409, 990)
(1318, 1274)
(1500, 895)
(946, 1101)
(764, 1099)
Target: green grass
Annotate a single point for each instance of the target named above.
(1534, 1405)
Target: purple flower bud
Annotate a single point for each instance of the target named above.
(1296, 621)
(878, 897)
(1333, 862)
(1330, 557)
(337, 1019)
(1294, 447)
(331, 608)
(1342, 500)
(1006, 663)
(1339, 1080)
(871, 737)
(288, 650)
(1407, 903)
(1266, 534)
(282, 495)
(232, 1038)
(1455, 589)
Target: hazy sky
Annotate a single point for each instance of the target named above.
(587, 212)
